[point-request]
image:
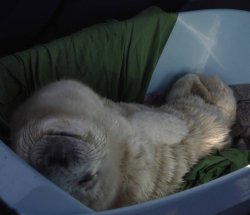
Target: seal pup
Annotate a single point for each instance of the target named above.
(108, 154)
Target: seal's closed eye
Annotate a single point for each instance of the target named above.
(88, 181)
(87, 178)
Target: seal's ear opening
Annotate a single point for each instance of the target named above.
(55, 150)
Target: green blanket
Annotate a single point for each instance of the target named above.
(115, 58)
(215, 166)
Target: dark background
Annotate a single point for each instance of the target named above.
(24, 23)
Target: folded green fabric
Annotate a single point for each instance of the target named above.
(115, 58)
(215, 166)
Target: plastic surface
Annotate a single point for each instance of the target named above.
(207, 41)
(216, 41)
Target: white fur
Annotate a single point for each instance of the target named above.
(141, 153)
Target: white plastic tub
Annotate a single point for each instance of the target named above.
(211, 41)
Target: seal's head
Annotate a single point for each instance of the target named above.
(64, 132)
